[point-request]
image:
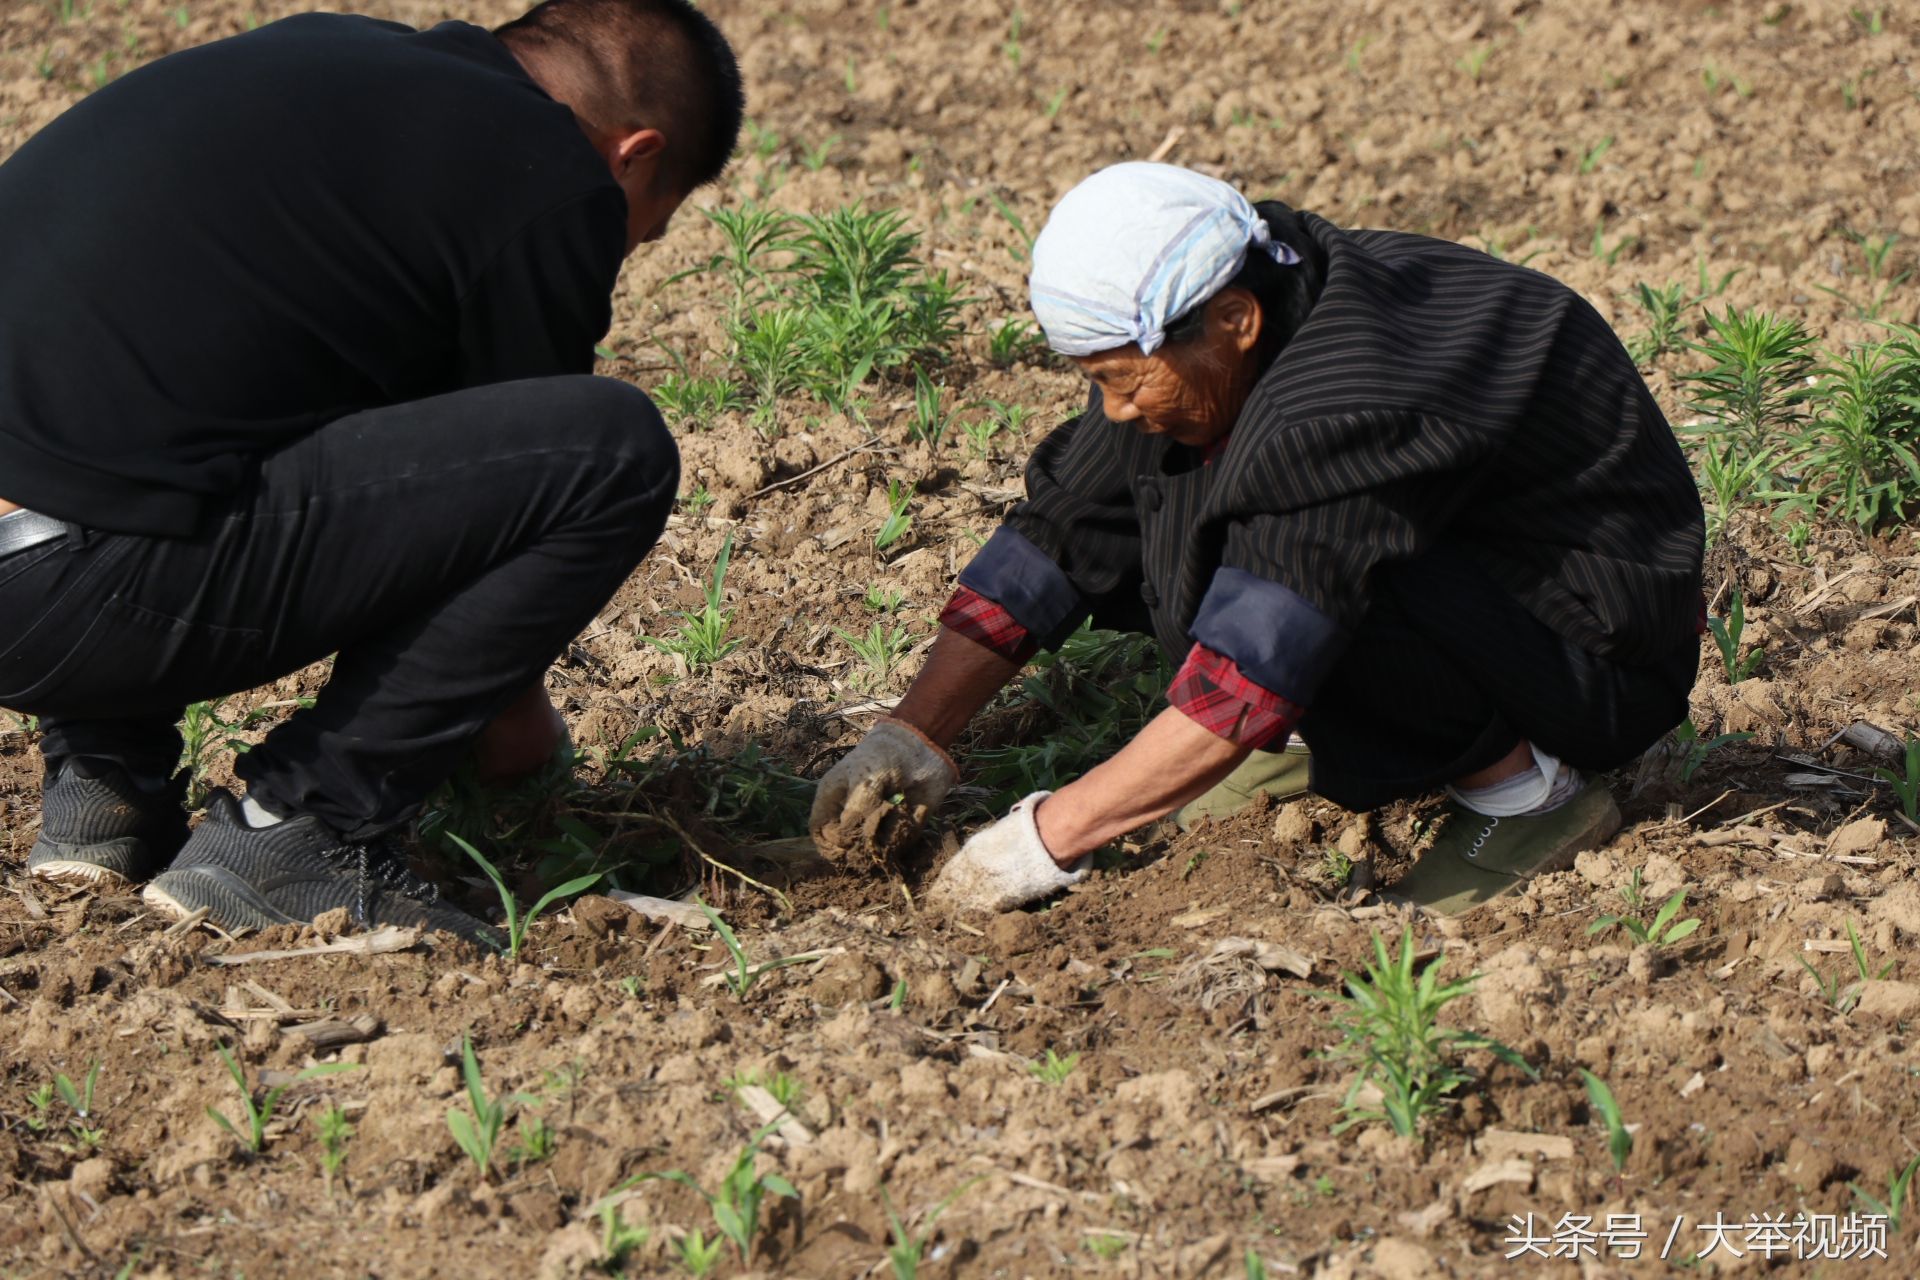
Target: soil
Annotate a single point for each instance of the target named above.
(1196, 1122)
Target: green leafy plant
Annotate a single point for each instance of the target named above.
(1254, 1265)
(518, 922)
(1025, 252)
(768, 348)
(899, 522)
(479, 1132)
(1694, 750)
(258, 1115)
(879, 651)
(736, 1203)
(702, 639)
(1899, 1192)
(1754, 387)
(1666, 311)
(1663, 930)
(1012, 340)
(79, 1098)
(1619, 1140)
(697, 500)
(1388, 1025)
(204, 728)
(1875, 251)
(41, 1100)
(1857, 457)
(1609, 254)
(909, 1247)
(1727, 632)
(696, 402)
(1053, 1069)
(1907, 785)
(1475, 61)
(881, 599)
(1590, 158)
(1732, 474)
(1107, 1247)
(617, 1238)
(698, 1255)
(1337, 867)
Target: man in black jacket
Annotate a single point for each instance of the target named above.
(295, 356)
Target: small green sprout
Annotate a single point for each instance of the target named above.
(518, 924)
(702, 638)
(1694, 749)
(257, 1117)
(899, 523)
(1619, 1140)
(736, 1204)
(477, 1133)
(617, 1238)
(879, 651)
(1899, 1192)
(1907, 785)
(1663, 930)
(744, 974)
(334, 1132)
(1053, 1069)
(698, 1255)
(1726, 637)
(1840, 998)
(909, 1248)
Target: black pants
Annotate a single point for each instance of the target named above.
(446, 550)
(1448, 672)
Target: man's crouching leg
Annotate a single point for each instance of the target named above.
(456, 545)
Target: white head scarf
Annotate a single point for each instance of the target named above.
(1135, 247)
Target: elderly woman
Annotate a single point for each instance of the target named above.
(1381, 495)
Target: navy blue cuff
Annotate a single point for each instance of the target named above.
(1277, 639)
(1020, 578)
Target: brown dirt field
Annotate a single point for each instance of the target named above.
(1197, 1122)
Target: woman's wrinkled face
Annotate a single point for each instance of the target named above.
(1191, 391)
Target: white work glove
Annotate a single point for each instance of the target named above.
(1003, 867)
(854, 814)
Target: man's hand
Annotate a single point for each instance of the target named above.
(1003, 867)
(873, 804)
(521, 740)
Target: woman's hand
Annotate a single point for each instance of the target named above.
(1171, 761)
(855, 816)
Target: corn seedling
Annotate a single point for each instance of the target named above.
(258, 1116)
(1012, 340)
(533, 1141)
(702, 638)
(744, 974)
(1590, 158)
(78, 1097)
(1609, 254)
(1619, 1140)
(698, 1255)
(334, 1133)
(930, 419)
(479, 1132)
(1726, 637)
(1254, 1265)
(1662, 930)
(1899, 1192)
(1053, 1069)
(781, 1087)
(1907, 785)
(909, 1248)
(1694, 750)
(899, 522)
(517, 922)
(617, 1238)
(41, 1100)
(879, 651)
(695, 402)
(1840, 998)
(1388, 1026)
(1475, 62)
(736, 1204)
(881, 599)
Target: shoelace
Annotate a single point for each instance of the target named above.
(380, 865)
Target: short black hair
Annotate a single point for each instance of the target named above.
(633, 64)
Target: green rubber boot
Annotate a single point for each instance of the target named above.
(1476, 859)
(1280, 774)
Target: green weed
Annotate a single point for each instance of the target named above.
(1025, 252)
(1609, 254)
(258, 1115)
(1590, 158)
(1733, 475)
(1475, 61)
(617, 1238)
(909, 1247)
(745, 973)
(702, 638)
(696, 402)
(334, 1133)
(1108, 1247)
(879, 651)
(1388, 1025)
(1663, 930)
(1053, 1069)
(1755, 384)
(930, 418)
(696, 1254)
(881, 599)
(1857, 457)
(1840, 998)
(1013, 340)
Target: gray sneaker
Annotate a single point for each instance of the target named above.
(98, 830)
(252, 877)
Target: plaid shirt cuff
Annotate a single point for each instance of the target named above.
(986, 623)
(1210, 691)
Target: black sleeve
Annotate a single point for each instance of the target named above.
(544, 301)
(1080, 512)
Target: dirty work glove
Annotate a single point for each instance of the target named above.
(1003, 867)
(854, 813)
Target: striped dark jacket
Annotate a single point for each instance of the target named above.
(1434, 395)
